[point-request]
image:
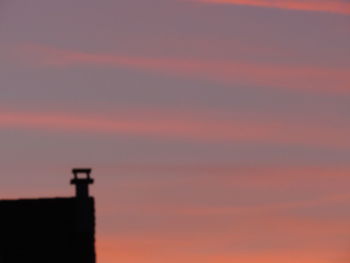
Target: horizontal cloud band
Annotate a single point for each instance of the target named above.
(330, 6)
(229, 72)
(183, 127)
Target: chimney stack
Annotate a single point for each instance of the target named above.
(81, 181)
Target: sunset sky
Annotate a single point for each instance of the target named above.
(218, 130)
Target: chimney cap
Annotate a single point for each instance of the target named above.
(77, 171)
(84, 180)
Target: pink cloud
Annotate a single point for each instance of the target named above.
(184, 127)
(239, 176)
(229, 72)
(329, 6)
(270, 208)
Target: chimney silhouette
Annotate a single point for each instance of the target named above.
(82, 183)
(85, 218)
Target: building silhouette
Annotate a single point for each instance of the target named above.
(50, 230)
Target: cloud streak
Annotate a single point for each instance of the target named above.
(239, 176)
(183, 127)
(296, 77)
(329, 6)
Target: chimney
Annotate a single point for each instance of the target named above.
(85, 216)
(81, 181)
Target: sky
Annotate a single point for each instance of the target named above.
(218, 130)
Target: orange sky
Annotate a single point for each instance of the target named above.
(217, 130)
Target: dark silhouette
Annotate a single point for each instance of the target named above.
(50, 230)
